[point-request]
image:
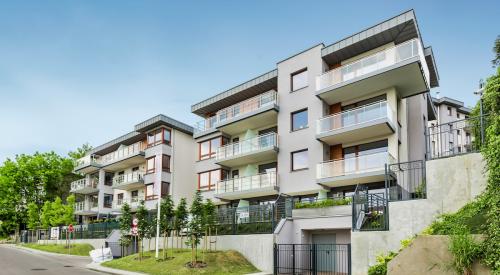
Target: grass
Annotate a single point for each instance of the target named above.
(323, 203)
(219, 262)
(79, 249)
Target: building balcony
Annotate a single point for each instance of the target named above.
(252, 113)
(84, 186)
(86, 208)
(365, 122)
(351, 171)
(253, 150)
(402, 66)
(129, 181)
(247, 187)
(133, 202)
(87, 164)
(124, 157)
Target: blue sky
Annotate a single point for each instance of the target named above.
(87, 71)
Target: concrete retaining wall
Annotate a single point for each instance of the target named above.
(96, 243)
(451, 183)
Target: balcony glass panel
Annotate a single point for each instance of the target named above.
(124, 179)
(84, 183)
(371, 63)
(255, 182)
(353, 165)
(123, 152)
(247, 146)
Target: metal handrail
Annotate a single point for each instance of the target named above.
(269, 140)
(373, 62)
(355, 116)
(254, 182)
(136, 176)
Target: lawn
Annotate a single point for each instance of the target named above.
(80, 249)
(220, 262)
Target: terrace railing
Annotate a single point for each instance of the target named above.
(255, 182)
(119, 180)
(247, 146)
(123, 153)
(355, 165)
(84, 183)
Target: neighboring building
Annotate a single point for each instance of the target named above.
(153, 160)
(450, 133)
(324, 121)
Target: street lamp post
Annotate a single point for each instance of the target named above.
(480, 93)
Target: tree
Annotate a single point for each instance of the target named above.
(181, 217)
(143, 226)
(496, 51)
(80, 152)
(33, 216)
(46, 215)
(166, 221)
(196, 226)
(125, 222)
(210, 218)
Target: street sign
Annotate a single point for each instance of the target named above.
(134, 231)
(70, 228)
(135, 222)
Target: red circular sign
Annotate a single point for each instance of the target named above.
(70, 228)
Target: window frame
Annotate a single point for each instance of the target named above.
(211, 154)
(167, 168)
(292, 75)
(167, 191)
(162, 140)
(149, 197)
(292, 162)
(211, 186)
(110, 205)
(152, 170)
(297, 112)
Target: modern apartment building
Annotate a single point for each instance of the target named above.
(153, 160)
(450, 133)
(326, 119)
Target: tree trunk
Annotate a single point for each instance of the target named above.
(164, 239)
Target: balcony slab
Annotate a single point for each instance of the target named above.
(370, 129)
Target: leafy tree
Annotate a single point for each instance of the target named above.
(125, 222)
(33, 216)
(46, 215)
(210, 218)
(181, 217)
(496, 51)
(166, 221)
(143, 226)
(80, 152)
(195, 225)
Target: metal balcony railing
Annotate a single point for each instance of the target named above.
(132, 202)
(254, 182)
(236, 110)
(84, 183)
(354, 117)
(247, 146)
(355, 165)
(85, 205)
(127, 178)
(124, 152)
(87, 160)
(371, 63)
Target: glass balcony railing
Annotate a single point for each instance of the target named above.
(249, 183)
(247, 146)
(86, 161)
(84, 183)
(123, 153)
(128, 178)
(236, 110)
(133, 202)
(371, 63)
(85, 206)
(354, 117)
(355, 165)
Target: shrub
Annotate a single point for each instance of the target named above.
(381, 267)
(465, 251)
(323, 203)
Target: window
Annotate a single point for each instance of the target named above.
(299, 120)
(134, 194)
(150, 165)
(165, 163)
(164, 189)
(208, 180)
(449, 111)
(458, 115)
(150, 192)
(300, 160)
(108, 179)
(207, 149)
(299, 80)
(159, 136)
(108, 200)
(120, 199)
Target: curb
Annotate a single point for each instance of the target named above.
(20, 247)
(109, 270)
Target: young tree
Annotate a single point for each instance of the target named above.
(496, 51)
(166, 221)
(210, 219)
(46, 216)
(125, 222)
(181, 218)
(196, 226)
(33, 217)
(143, 226)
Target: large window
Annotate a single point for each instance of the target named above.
(159, 136)
(208, 180)
(299, 120)
(150, 192)
(165, 163)
(164, 189)
(300, 160)
(299, 80)
(108, 200)
(207, 149)
(150, 165)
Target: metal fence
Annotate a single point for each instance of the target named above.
(406, 180)
(81, 231)
(312, 259)
(370, 211)
(119, 251)
(455, 137)
(253, 219)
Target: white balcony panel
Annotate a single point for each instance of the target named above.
(84, 186)
(87, 164)
(358, 124)
(351, 171)
(402, 66)
(85, 208)
(124, 157)
(247, 187)
(133, 202)
(129, 181)
(257, 149)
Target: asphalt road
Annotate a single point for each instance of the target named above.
(19, 261)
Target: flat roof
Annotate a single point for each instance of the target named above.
(452, 102)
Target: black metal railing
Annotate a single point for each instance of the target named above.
(81, 231)
(253, 219)
(455, 137)
(406, 180)
(315, 202)
(370, 211)
(312, 259)
(118, 250)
